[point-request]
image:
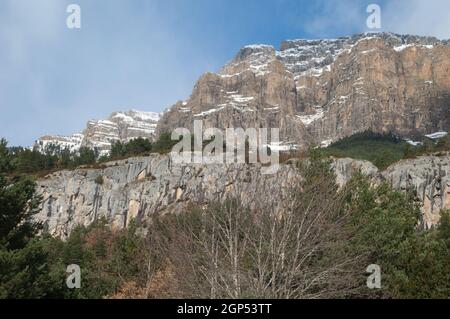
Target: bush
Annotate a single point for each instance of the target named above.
(99, 180)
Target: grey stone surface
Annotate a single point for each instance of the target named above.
(140, 187)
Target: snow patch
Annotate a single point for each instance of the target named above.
(403, 47)
(241, 99)
(326, 143)
(309, 119)
(209, 112)
(282, 146)
(411, 142)
(437, 135)
(184, 109)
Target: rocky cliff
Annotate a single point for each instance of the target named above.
(100, 134)
(429, 178)
(315, 91)
(140, 187)
(318, 91)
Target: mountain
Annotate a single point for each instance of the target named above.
(319, 91)
(315, 91)
(100, 134)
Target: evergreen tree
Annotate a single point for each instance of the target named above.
(5, 157)
(18, 203)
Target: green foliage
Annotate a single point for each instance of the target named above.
(384, 223)
(18, 203)
(377, 224)
(164, 144)
(118, 150)
(87, 247)
(99, 180)
(86, 156)
(384, 217)
(128, 253)
(26, 272)
(24, 268)
(139, 146)
(430, 146)
(5, 157)
(443, 231)
(20, 160)
(107, 259)
(420, 269)
(382, 150)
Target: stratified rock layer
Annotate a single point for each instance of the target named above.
(140, 187)
(319, 91)
(429, 178)
(101, 134)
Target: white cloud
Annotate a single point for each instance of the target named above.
(419, 17)
(128, 54)
(334, 15)
(24, 23)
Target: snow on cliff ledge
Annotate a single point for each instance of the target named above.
(100, 134)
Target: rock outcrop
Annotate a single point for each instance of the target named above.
(319, 91)
(140, 187)
(428, 177)
(100, 134)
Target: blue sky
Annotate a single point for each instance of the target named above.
(147, 54)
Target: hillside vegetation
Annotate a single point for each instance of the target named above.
(32, 162)
(383, 150)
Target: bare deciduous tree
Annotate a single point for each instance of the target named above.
(226, 250)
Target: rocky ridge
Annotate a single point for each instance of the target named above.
(100, 134)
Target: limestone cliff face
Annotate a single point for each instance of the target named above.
(253, 91)
(318, 91)
(429, 178)
(140, 187)
(404, 90)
